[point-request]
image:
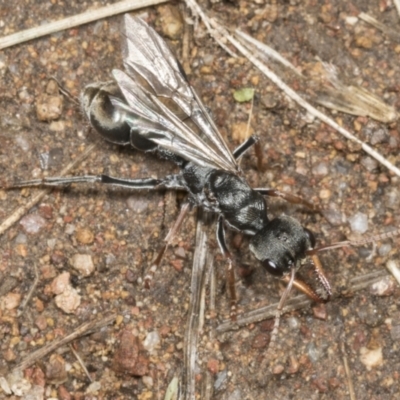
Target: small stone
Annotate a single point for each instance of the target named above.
(56, 372)
(17, 383)
(83, 263)
(8, 284)
(278, 369)
(46, 211)
(93, 388)
(60, 283)
(69, 300)
(359, 223)
(177, 264)
(369, 163)
(213, 365)
(148, 381)
(384, 287)
(138, 203)
(52, 88)
(152, 341)
(180, 252)
(364, 42)
(128, 358)
(4, 385)
(35, 393)
(371, 358)
(320, 169)
(57, 126)
(33, 223)
(49, 108)
(9, 355)
(319, 312)
(260, 341)
(84, 236)
(10, 301)
(325, 194)
(171, 21)
(41, 322)
(63, 393)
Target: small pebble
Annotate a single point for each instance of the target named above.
(320, 169)
(148, 381)
(152, 341)
(93, 388)
(260, 341)
(369, 163)
(138, 203)
(56, 372)
(69, 300)
(84, 235)
(128, 359)
(10, 301)
(325, 194)
(384, 249)
(49, 108)
(171, 21)
(33, 223)
(384, 287)
(359, 223)
(5, 386)
(371, 358)
(213, 365)
(83, 263)
(60, 283)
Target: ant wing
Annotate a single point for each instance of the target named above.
(147, 115)
(152, 73)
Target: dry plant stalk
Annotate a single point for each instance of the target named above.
(76, 20)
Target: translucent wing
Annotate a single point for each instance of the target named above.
(148, 59)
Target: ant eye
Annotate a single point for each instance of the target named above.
(310, 236)
(271, 267)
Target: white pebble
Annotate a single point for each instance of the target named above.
(83, 263)
(359, 223)
(152, 341)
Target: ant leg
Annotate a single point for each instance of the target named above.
(169, 182)
(230, 271)
(239, 151)
(251, 141)
(167, 241)
(286, 196)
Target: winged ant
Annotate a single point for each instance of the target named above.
(137, 110)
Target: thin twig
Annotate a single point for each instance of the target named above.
(296, 303)
(84, 329)
(269, 52)
(76, 20)
(393, 268)
(21, 211)
(215, 27)
(31, 290)
(378, 25)
(397, 4)
(80, 361)
(348, 375)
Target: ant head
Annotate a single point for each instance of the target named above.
(280, 244)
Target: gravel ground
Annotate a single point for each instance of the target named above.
(84, 249)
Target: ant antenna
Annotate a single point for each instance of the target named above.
(361, 242)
